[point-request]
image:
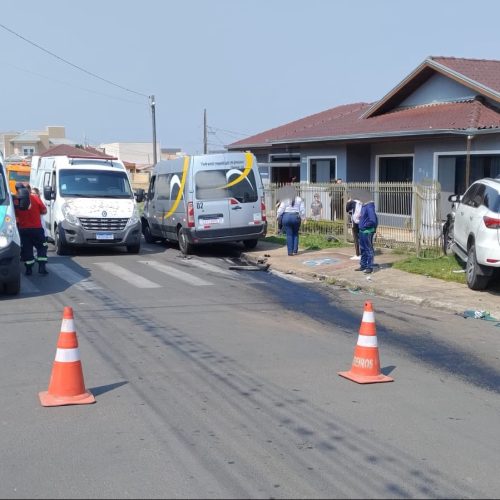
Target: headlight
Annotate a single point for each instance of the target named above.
(135, 217)
(69, 215)
(7, 232)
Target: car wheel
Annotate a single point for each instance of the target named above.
(185, 247)
(134, 248)
(13, 287)
(250, 244)
(61, 247)
(475, 281)
(146, 231)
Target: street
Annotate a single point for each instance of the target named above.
(220, 383)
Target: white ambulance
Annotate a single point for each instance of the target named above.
(89, 202)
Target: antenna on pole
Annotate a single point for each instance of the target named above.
(205, 141)
(153, 103)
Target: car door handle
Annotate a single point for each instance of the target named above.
(237, 207)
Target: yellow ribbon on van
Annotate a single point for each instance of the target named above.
(244, 174)
(185, 169)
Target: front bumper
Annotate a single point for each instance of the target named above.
(75, 235)
(10, 262)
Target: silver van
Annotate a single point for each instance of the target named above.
(213, 198)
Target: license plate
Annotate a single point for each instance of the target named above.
(104, 236)
(211, 221)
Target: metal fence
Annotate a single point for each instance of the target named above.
(408, 213)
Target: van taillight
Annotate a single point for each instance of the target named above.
(190, 213)
(491, 223)
(263, 210)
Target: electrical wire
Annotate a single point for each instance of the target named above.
(70, 63)
(71, 85)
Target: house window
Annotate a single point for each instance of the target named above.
(28, 151)
(396, 169)
(322, 170)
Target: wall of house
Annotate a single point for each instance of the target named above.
(438, 88)
(358, 162)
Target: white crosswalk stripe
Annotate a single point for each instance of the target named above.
(27, 286)
(126, 275)
(73, 278)
(175, 273)
(208, 267)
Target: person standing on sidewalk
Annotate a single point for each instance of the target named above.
(353, 208)
(293, 211)
(368, 222)
(31, 232)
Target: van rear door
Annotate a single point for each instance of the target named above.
(245, 209)
(212, 204)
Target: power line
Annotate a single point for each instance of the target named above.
(72, 85)
(70, 63)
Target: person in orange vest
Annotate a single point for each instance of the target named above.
(31, 232)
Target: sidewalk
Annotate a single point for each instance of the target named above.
(334, 265)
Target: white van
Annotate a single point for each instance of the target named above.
(10, 242)
(213, 198)
(89, 202)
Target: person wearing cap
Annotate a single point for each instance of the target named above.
(368, 222)
(31, 232)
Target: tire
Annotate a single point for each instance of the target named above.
(250, 244)
(13, 287)
(61, 247)
(475, 281)
(184, 246)
(148, 236)
(134, 248)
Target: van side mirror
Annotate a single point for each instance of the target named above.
(139, 195)
(454, 198)
(48, 193)
(22, 198)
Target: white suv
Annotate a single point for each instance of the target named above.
(476, 232)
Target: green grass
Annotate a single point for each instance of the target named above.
(440, 267)
(309, 241)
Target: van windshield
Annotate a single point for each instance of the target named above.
(94, 184)
(212, 185)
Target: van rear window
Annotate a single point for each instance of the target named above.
(213, 185)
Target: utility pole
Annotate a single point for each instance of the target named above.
(205, 141)
(152, 101)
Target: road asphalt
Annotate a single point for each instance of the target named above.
(334, 266)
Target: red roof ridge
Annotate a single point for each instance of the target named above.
(464, 58)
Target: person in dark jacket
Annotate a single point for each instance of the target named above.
(368, 222)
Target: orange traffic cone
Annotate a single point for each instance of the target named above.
(366, 363)
(66, 386)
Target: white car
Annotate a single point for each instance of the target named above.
(476, 232)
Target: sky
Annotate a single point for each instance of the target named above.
(253, 65)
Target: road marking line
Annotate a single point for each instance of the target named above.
(175, 273)
(28, 287)
(126, 275)
(73, 278)
(208, 267)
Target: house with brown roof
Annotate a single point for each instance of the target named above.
(442, 122)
